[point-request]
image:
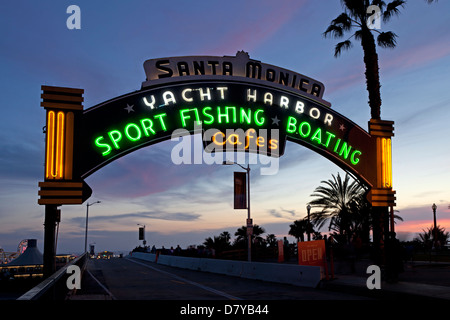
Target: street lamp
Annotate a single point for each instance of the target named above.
(87, 213)
(434, 207)
(249, 220)
(308, 207)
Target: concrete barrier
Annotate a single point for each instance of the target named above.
(303, 276)
(144, 256)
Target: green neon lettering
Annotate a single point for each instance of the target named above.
(103, 145)
(337, 145)
(259, 121)
(291, 125)
(330, 136)
(206, 114)
(161, 120)
(233, 112)
(115, 137)
(147, 125)
(184, 117)
(345, 150)
(300, 129)
(317, 136)
(136, 128)
(246, 115)
(354, 160)
(222, 115)
(197, 117)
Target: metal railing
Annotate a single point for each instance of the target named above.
(55, 287)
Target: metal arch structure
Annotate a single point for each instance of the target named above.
(238, 102)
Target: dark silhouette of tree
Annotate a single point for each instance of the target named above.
(355, 18)
(299, 228)
(241, 236)
(427, 236)
(219, 243)
(271, 240)
(339, 202)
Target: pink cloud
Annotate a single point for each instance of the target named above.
(398, 60)
(415, 57)
(262, 21)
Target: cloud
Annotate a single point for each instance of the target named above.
(421, 54)
(160, 215)
(282, 213)
(262, 20)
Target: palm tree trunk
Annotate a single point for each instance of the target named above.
(372, 72)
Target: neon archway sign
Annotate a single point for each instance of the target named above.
(238, 102)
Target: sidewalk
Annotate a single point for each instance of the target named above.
(419, 280)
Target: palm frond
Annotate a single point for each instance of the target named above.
(342, 45)
(381, 4)
(387, 39)
(392, 9)
(334, 30)
(356, 8)
(343, 21)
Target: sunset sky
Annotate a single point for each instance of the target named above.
(184, 204)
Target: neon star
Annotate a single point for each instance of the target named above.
(342, 127)
(129, 108)
(276, 121)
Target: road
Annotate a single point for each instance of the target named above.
(132, 279)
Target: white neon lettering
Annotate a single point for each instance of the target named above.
(284, 102)
(222, 89)
(150, 104)
(183, 95)
(299, 107)
(203, 95)
(168, 97)
(251, 96)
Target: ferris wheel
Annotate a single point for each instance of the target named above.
(22, 246)
(6, 257)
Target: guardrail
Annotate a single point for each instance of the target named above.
(304, 276)
(55, 287)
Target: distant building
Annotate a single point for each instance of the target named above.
(105, 255)
(30, 263)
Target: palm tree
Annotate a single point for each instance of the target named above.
(241, 235)
(219, 243)
(355, 16)
(271, 240)
(427, 237)
(342, 203)
(299, 228)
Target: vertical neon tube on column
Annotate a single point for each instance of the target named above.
(59, 164)
(50, 144)
(386, 156)
(68, 146)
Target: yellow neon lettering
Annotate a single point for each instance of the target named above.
(214, 138)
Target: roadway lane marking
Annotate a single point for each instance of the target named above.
(101, 285)
(220, 293)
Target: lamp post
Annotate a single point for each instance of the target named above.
(308, 207)
(87, 214)
(434, 207)
(249, 220)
